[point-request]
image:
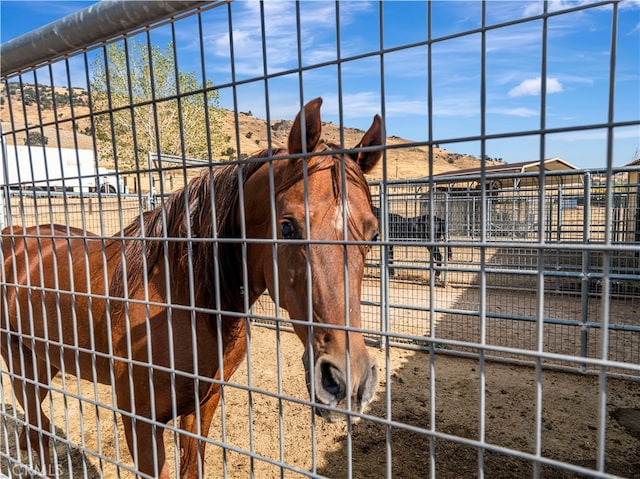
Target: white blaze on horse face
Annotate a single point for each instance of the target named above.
(335, 215)
(338, 217)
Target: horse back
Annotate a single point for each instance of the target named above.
(422, 226)
(48, 271)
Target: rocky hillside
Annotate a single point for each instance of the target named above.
(402, 163)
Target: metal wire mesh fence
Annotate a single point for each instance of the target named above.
(472, 323)
(572, 278)
(106, 213)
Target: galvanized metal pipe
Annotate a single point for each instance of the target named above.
(96, 23)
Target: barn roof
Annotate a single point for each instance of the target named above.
(551, 164)
(516, 174)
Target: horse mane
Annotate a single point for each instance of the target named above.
(352, 170)
(165, 232)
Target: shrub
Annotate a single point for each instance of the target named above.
(36, 138)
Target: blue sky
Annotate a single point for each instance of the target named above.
(578, 68)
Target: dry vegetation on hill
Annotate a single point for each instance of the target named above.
(402, 162)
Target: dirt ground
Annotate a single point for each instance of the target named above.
(431, 426)
(397, 440)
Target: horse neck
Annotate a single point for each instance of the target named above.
(236, 293)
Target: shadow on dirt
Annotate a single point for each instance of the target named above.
(568, 427)
(70, 459)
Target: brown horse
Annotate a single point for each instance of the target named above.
(159, 312)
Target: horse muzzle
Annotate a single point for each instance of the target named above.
(329, 385)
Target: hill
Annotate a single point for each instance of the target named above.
(402, 163)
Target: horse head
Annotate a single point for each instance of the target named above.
(323, 220)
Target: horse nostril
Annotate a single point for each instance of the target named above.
(368, 386)
(331, 379)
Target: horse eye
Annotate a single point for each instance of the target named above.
(288, 229)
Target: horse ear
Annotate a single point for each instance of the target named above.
(313, 127)
(373, 137)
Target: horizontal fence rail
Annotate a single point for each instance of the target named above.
(185, 216)
(99, 22)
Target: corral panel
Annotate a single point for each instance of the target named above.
(487, 328)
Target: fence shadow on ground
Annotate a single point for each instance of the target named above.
(568, 428)
(410, 452)
(569, 423)
(71, 461)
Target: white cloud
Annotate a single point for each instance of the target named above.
(317, 34)
(532, 87)
(457, 104)
(531, 9)
(618, 134)
(630, 4)
(536, 8)
(521, 112)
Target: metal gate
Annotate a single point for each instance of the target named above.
(501, 324)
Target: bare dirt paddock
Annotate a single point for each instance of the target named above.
(569, 427)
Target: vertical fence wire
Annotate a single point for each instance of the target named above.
(542, 240)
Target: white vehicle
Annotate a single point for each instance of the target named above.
(55, 169)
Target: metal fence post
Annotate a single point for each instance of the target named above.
(559, 218)
(3, 180)
(585, 284)
(384, 266)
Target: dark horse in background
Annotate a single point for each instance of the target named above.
(418, 227)
(159, 312)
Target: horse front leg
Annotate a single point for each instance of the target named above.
(390, 260)
(31, 386)
(150, 458)
(145, 438)
(191, 449)
(437, 255)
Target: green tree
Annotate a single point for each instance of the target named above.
(35, 138)
(158, 114)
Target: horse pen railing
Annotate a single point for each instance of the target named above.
(501, 323)
(574, 215)
(89, 212)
